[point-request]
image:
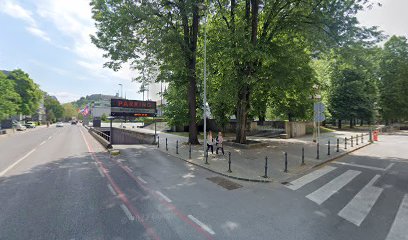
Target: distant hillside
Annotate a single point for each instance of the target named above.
(92, 98)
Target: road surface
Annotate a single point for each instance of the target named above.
(59, 183)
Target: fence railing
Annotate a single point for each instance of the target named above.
(101, 134)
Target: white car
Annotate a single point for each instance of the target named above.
(20, 127)
(60, 124)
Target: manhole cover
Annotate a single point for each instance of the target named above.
(225, 183)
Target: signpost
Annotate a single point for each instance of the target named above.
(319, 117)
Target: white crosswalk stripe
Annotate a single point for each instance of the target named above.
(359, 207)
(300, 182)
(325, 192)
(399, 228)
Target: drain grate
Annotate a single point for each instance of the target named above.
(225, 183)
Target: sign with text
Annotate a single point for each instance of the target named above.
(132, 108)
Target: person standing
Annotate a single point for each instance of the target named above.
(210, 142)
(220, 143)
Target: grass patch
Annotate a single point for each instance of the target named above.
(309, 130)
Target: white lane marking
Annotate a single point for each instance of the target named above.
(330, 188)
(142, 180)
(202, 225)
(164, 196)
(300, 182)
(16, 162)
(389, 166)
(100, 171)
(399, 230)
(49, 137)
(127, 212)
(360, 166)
(111, 190)
(43, 143)
(359, 207)
(128, 168)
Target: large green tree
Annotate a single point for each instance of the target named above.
(53, 108)
(29, 91)
(69, 111)
(160, 33)
(9, 98)
(252, 36)
(394, 80)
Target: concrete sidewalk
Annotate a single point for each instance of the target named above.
(249, 164)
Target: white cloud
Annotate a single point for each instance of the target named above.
(14, 10)
(39, 33)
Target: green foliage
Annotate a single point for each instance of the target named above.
(353, 89)
(69, 111)
(9, 98)
(154, 36)
(53, 109)
(394, 80)
(176, 109)
(29, 92)
(104, 118)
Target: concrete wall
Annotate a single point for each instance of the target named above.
(124, 136)
(295, 129)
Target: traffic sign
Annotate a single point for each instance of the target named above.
(319, 107)
(319, 117)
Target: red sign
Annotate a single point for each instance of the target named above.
(124, 103)
(134, 108)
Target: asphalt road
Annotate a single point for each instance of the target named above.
(58, 183)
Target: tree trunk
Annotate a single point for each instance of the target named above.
(242, 117)
(351, 123)
(261, 119)
(361, 122)
(191, 41)
(339, 124)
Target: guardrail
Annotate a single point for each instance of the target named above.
(101, 134)
(101, 137)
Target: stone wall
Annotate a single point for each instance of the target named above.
(124, 136)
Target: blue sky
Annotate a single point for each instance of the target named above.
(49, 39)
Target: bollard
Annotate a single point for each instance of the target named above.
(158, 141)
(206, 157)
(286, 162)
(189, 151)
(345, 143)
(338, 144)
(266, 167)
(177, 147)
(229, 162)
(370, 136)
(356, 139)
(303, 155)
(166, 145)
(318, 151)
(362, 140)
(351, 141)
(328, 147)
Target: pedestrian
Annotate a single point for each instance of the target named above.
(220, 143)
(210, 142)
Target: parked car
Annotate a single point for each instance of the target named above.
(19, 127)
(30, 125)
(60, 124)
(73, 122)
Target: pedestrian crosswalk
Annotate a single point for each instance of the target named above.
(324, 183)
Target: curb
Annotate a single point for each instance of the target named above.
(339, 156)
(317, 165)
(265, 180)
(220, 173)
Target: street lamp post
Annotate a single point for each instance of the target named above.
(205, 80)
(121, 90)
